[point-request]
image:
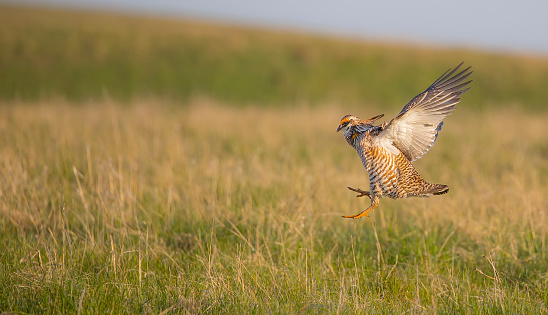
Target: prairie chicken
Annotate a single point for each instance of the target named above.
(387, 150)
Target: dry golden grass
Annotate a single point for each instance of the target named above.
(203, 208)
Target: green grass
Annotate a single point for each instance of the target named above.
(152, 208)
(81, 56)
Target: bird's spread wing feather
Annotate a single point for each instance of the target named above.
(415, 129)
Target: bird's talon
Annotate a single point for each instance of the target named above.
(361, 192)
(374, 204)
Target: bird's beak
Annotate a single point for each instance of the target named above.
(339, 128)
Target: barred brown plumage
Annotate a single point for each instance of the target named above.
(388, 149)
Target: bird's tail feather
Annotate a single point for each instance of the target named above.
(438, 189)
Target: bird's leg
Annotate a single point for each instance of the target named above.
(361, 192)
(374, 204)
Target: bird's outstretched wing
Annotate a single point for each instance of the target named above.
(415, 129)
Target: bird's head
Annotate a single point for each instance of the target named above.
(349, 122)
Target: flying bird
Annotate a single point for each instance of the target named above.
(388, 149)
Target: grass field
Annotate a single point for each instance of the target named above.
(204, 209)
(118, 199)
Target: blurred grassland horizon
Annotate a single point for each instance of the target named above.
(84, 56)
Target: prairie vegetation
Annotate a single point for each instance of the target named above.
(127, 200)
(207, 208)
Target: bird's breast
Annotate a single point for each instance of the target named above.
(382, 169)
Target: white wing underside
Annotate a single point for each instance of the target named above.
(415, 129)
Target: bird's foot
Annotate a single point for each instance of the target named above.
(361, 192)
(361, 214)
(374, 204)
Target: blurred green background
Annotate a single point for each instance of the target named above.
(88, 56)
